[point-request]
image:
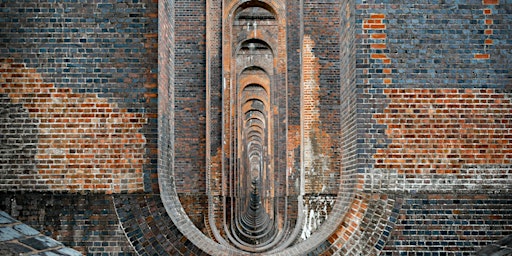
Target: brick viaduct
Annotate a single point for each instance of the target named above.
(267, 127)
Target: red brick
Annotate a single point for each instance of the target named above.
(490, 2)
(378, 46)
(378, 36)
(482, 56)
(378, 56)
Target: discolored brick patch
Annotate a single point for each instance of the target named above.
(441, 130)
(84, 142)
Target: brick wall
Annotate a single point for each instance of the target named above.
(441, 139)
(417, 98)
(78, 116)
(294, 37)
(82, 141)
(190, 96)
(82, 78)
(448, 224)
(321, 88)
(431, 76)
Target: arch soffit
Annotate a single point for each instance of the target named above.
(262, 38)
(254, 79)
(248, 114)
(255, 128)
(275, 7)
(248, 106)
(254, 98)
(255, 121)
(258, 120)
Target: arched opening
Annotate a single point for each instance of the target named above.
(255, 211)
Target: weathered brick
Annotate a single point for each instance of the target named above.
(407, 105)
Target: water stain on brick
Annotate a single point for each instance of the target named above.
(317, 163)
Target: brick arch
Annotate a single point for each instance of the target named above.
(340, 232)
(258, 38)
(276, 7)
(247, 80)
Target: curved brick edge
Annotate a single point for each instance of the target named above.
(362, 227)
(501, 247)
(149, 228)
(365, 228)
(375, 225)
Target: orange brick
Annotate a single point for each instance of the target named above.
(488, 32)
(387, 80)
(378, 16)
(378, 46)
(378, 56)
(488, 41)
(150, 95)
(491, 2)
(374, 21)
(482, 56)
(489, 21)
(150, 85)
(487, 11)
(378, 36)
(378, 26)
